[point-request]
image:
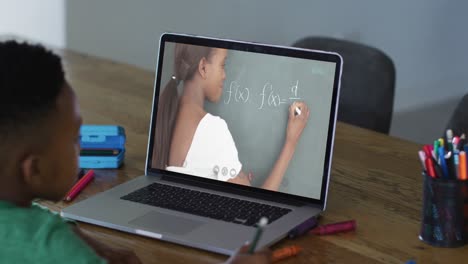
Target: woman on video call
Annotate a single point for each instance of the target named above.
(189, 140)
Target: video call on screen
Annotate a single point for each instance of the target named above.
(248, 120)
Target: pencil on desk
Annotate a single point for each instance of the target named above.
(79, 186)
(81, 175)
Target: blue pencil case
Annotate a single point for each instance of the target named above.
(102, 162)
(102, 137)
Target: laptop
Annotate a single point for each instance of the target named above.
(219, 154)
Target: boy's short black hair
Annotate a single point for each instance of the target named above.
(31, 79)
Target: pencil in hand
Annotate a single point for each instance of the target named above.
(261, 224)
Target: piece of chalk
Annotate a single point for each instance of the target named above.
(297, 111)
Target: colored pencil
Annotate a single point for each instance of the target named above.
(79, 186)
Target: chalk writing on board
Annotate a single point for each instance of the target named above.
(267, 97)
(239, 94)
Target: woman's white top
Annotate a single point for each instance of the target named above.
(213, 153)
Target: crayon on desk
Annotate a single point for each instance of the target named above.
(303, 228)
(79, 186)
(284, 253)
(329, 229)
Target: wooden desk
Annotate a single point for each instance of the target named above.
(375, 180)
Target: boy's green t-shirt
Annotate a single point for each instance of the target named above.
(36, 235)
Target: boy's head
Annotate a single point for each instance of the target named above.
(39, 124)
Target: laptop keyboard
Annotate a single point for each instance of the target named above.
(205, 204)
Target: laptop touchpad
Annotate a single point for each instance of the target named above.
(165, 223)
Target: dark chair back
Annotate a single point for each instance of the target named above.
(367, 84)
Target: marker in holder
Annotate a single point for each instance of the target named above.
(444, 212)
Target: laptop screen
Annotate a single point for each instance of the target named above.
(245, 114)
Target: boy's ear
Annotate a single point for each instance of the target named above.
(202, 67)
(30, 171)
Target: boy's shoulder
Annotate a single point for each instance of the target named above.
(35, 222)
(37, 235)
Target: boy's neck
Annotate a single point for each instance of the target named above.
(12, 194)
(19, 203)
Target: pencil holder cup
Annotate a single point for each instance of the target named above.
(444, 212)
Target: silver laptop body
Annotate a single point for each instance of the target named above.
(110, 210)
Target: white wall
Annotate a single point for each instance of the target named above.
(42, 20)
(425, 38)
